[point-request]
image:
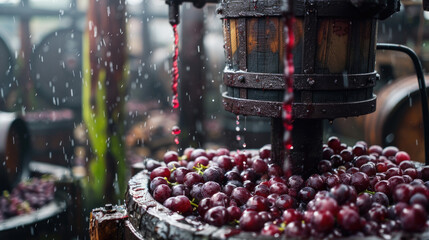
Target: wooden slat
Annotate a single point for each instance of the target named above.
(354, 58)
(310, 36)
(365, 35)
(336, 54)
(234, 43)
(227, 34)
(373, 45)
(298, 32)
(261, 45)
(272, 50)
(242, 52)
(281, 46)
(252, 42)
(322, 40)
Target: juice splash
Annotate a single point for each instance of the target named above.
(288, 97)
(175, 70)
(175, 75)
(176, 131)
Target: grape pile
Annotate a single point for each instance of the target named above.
(26, 197)
(358, 191)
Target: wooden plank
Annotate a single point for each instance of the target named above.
(310, 37)
(336, 52)
(242, 45)
(282, 45)
(365, 35)
(252, 42)
(354, 57)
(298, 31)
(234, 43)
(322, 46)
(272, 50)
(261, 45)
(373, 45)
(227, 47)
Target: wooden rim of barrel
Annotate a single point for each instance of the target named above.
(50, 217)
(391, 99)
(14, 150)
(154, 221)
(149, 219)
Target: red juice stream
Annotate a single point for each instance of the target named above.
(175, 75)
(288, 97)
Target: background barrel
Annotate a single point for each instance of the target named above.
(6, 76)
(52, 136)
(398, 119)
(57, 69)
(14, 150)
(61, 218)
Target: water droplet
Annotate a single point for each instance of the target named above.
(175, 130)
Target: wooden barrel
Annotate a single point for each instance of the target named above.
(6, 76)
(334, 59)
(149, 219)
(59, 219)
(14, 150)
(398, 119)
(254, 50)
(52, 136)
(56, 68)
(142, 217)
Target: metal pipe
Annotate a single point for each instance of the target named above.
(426, 5)
(173, 13)
(173, 8)
(422, 87)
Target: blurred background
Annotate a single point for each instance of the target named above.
(41, 79)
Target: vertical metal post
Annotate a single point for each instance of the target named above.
(192, 77)
(277, 147)
(25, 53)
(307, 145)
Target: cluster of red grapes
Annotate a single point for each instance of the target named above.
(26, 196)
(359, 191)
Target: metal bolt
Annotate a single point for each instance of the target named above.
(108, 207)
(241, 78)
(310, 81)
